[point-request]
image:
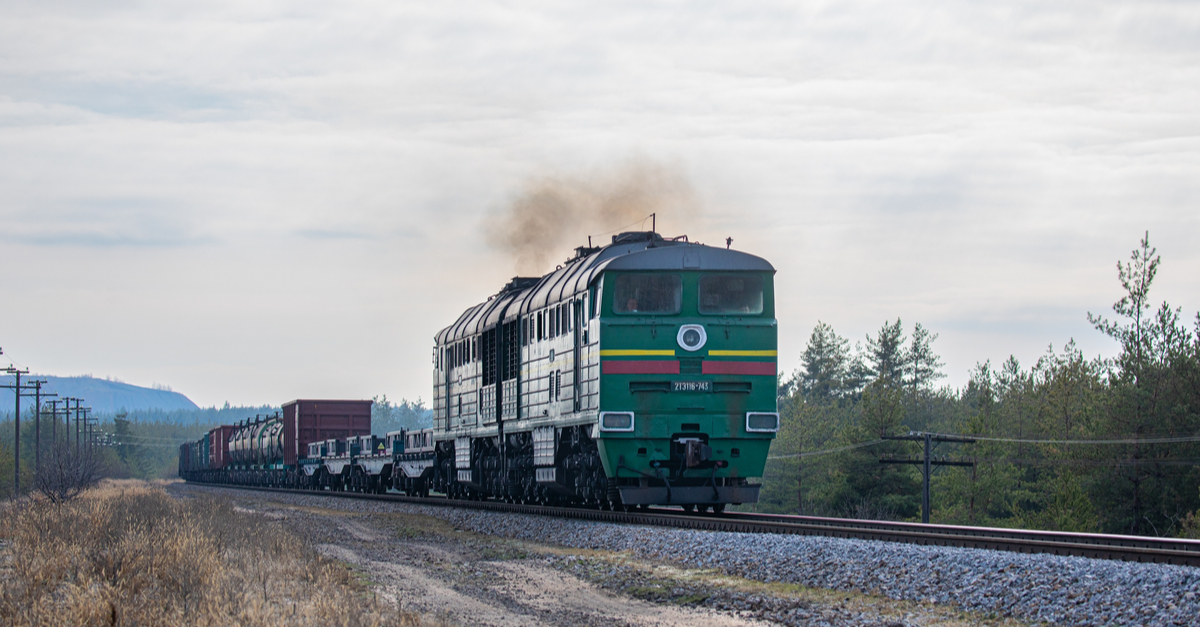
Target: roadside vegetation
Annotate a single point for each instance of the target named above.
(1070, 443)
(126, 553)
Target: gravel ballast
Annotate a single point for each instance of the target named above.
(1054, 589)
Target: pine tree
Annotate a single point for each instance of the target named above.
(922, 365)
(886, 354)
(824, 365)
(1154, 393)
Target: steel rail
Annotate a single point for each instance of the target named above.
(1096, 546)
(1178, 544)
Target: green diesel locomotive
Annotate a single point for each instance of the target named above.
(638, 373)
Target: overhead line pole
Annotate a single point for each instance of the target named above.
(71, 410)
(82, 412)
(37, 424)
(16, 388)
(88, 422)
(67, 420)
(927, 461)
(54, 422)
(66, 401)
(78, 409)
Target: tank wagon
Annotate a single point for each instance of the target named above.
(641, 372)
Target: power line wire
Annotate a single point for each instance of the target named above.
(1173, 440)
(826, 451)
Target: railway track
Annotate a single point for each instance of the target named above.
(1096, 546)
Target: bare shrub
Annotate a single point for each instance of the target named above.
(64, 473)
(122, 555)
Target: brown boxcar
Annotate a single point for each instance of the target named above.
(306, 421)
(218, 446)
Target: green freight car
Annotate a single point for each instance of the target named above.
(638, 373)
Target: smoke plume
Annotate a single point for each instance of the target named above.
(554, 214)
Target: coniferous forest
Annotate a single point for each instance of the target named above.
(1071, 442)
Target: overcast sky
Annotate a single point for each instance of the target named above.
(253, 202)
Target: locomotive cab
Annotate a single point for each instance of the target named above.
(688, 375)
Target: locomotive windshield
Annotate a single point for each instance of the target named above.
(731, 294)
(648, 294)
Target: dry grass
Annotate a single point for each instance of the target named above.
(126, 553)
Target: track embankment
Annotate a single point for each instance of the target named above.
(1043, 586)
(1097, 546)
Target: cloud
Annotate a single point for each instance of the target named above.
(105, 222)
(949, 163)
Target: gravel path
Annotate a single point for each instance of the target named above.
(1039, 588)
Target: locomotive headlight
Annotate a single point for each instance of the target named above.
(691, 337)
(762, 422)
(616, 421)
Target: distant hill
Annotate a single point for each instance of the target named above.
(105, 396)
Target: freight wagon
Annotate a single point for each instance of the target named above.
(267, 450)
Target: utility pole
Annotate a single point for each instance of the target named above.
(37, 424)
(927, 461)
(66, 411)
(77, 446)
(87, 427)
(67, 419)
(80, 427)
(53, 423)
(16, 388)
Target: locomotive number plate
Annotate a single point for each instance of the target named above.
(691, 386)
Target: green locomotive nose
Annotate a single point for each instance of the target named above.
(639, 373)
(687, 396)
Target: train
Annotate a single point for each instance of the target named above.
(642, 372)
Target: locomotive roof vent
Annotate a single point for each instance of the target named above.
(520, 283)
(583, 251)
(630, 237)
